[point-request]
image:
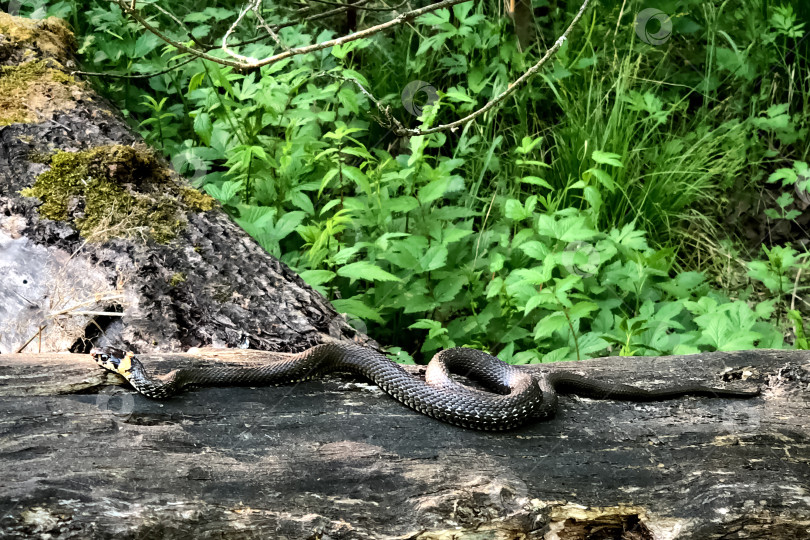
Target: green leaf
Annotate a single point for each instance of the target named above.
(366, 271)
(146, 43)
(454, 235)
(357, 308)
(434, 258)
(787, 176)
(535, 181)
(602, 177)
(401, 204)
(317, 277)
(582, 309)
(535, 250)
(448, 288)
(607, 158)
(550, 324)
(357, 176)
(433, 190)
(513, 209)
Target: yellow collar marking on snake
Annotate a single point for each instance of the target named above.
(125, 365)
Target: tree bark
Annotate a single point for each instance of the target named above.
(156, 266)
(337, 458)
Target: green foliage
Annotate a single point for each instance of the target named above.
(548, 229)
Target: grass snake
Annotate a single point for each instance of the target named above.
(515, 395)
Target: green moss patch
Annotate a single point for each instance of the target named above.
(116, 191)
(52, 36)
(32, 90)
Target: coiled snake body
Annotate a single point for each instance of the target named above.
(517, 395)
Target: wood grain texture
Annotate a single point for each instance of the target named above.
(337, 458)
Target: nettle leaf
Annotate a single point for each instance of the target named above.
(607, 158)
(629, 237)
(224, 192)
(419, 303)
(591, 343)
(433, 190)
(300, 199)
(454, 235)
(535, 250)
(582, 309)
(383, 241)
(448, 288)
(496, 261)
(203, 127)
(434, 258)
(358, 177)
(435, 18)
(434, 328)
(567, 229)
(146, 43)
(358, 308)
(557, 355)
(401, 204)
(513, 209)
(365, 271)
(317, 277)
(602, 177)
(550, 324)
(494, 287)
(682, 285)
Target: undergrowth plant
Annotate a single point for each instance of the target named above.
(560, 225)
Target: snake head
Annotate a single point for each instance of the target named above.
(114, 360)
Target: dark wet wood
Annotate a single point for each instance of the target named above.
(337, 458)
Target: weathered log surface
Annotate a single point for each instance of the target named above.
(337, 458)
(209, 284)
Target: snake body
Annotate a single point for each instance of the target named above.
(516, 395)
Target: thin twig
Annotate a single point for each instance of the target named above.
(139, 76)
(249, 64)
(32, 338)
(511, 89)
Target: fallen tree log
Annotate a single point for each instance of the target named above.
(101, 242)
(337, 458)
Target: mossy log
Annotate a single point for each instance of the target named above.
(101, 242)
(337, 458)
